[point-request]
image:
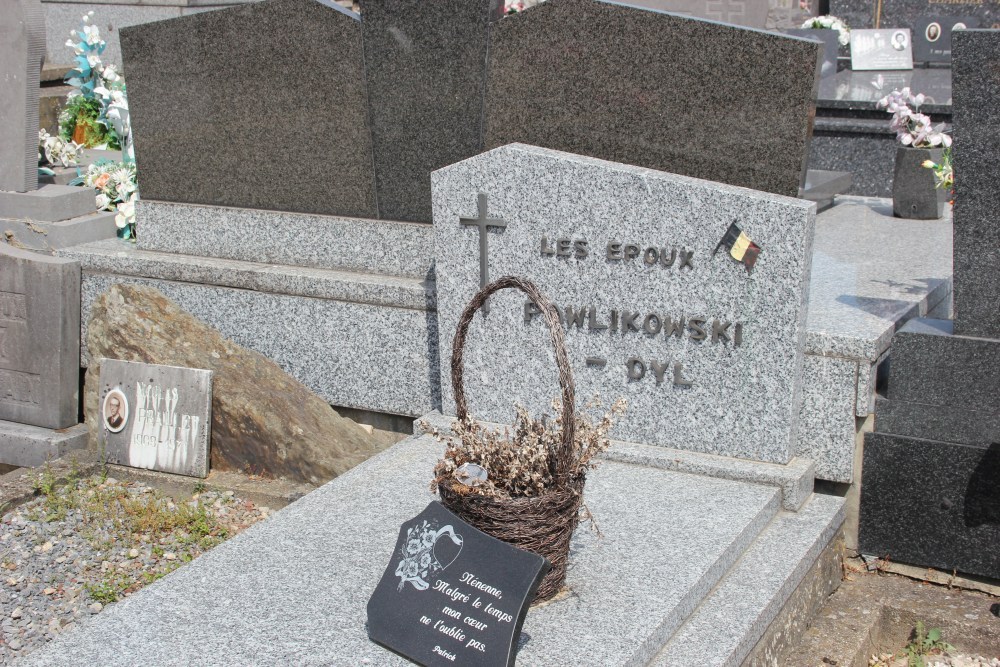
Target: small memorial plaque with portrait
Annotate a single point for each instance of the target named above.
(453, 595)
(881, 49)
(156, 417)
(932, 36)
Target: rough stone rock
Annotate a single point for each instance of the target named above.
(263, 420)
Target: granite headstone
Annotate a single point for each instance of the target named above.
(39, 338)
(22, 49)
(259, 106)
(453, 595)
(928, 492)
(156, 417)
(906, 13)
(706, 350)
(654, 90)
(932, 36)
(975, 92)
(424, 63)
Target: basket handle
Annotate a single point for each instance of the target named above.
(551, 317)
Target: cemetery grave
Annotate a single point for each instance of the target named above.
(691, 272)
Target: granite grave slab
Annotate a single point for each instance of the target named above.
(424, 64)
(22, 49)
(602, 79)
(156, 417)
(975, 91)
(262, 105)
(39, 338)
(707, 350)
(630, 594)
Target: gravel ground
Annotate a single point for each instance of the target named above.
(74, 550)
(944, 660)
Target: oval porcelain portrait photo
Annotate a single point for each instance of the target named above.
(115, 411)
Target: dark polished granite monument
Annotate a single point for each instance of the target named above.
(300, 105)
(259, 106)
(929, 493)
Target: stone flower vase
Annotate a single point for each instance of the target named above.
(913, 192)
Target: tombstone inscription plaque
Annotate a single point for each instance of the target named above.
(932, 36)
(156, 417)
(451, 594)
(881, 49)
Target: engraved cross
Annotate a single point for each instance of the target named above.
(483, 222)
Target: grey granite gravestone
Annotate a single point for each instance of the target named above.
(22, 49)
(424, 63)
(39, 338)
(258, 106)
(654, 90)
(905, 13)
(156, 417)
(706, 350)
(975, 91)
(929, 494)
(932, 36)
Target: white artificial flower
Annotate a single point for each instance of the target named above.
(92, 35)
(103, 202)
(93, 60)
(126, 213)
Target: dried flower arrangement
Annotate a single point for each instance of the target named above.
(525, 486)
(521, 461)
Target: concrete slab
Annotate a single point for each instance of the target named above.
(25, 445)
(48, 236)
(293, 589)
(49, 203)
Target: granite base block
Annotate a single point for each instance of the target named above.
(49, 203)
(936, 422)
(826, 418)
(29, 446)
(868, 153)
(731, 621)
(294, 239)
(355, 355)
(47, 236)
(931, 365)
(931, 503)
(631, 589)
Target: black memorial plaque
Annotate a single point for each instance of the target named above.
(932, 36)
(453, 595)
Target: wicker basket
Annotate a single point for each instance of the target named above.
(541, 524)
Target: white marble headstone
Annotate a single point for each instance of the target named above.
(156, 417)
(627, 253)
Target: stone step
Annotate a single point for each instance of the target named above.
(49, 236)
(25, 445)
(730, 621)
(293, 239)
(293, 589)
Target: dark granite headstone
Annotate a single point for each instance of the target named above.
(976, 117)
(451, 594)
(906, 13)
(156, 417)
(932, 36)
(930, 503)
(39, 338)
(655, 90)
(258, 106)
(425, 65)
